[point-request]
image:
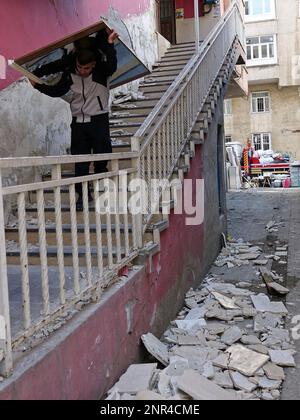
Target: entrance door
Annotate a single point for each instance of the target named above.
(168, 20)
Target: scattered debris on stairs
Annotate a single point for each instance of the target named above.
(227, 343)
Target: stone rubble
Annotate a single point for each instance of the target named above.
(227, 343)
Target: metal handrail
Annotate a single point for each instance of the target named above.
(177, 84)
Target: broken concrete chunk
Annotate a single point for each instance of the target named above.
(273, 287)
(245, 361)
(231, 336)
(274, 372)
(177, 366)
(191, 303)
(248, 257)
(224, 380)
(223, 315)
(262, 303)
(148, 395)
(163, 385)
(249, 312)
(261, 262)
(200, 388)
(196, 313)
(282, 358)
(208, 370)
(224, 301)
(156, 348)
(259, 348)
(266, 383)
(278, 289)
(263, 322)
(191, 325)
(250, 340)
(216, 328)
(137, 378)
(242, 382)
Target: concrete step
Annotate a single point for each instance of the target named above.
(13, 256)
(169, 70)
(177, 57)
(133, 118)
(160, 78)
(154, 87)
(139, 103)
(159, 68)
(33, 234)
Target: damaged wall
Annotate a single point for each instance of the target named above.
(31, 123)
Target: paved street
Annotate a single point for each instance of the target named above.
(248, 214)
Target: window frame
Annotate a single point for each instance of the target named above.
(262, 61)
(260, 16)
(228, 107)
(266, 102)
(227, 137)
(262, 141)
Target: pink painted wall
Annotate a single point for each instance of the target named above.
(188, 6)
(31, 24)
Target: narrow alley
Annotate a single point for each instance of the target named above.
(263, 235)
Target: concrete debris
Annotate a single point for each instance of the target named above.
(245, 361)
(262, 303)
(224, 380)
(196, 313)
(191, 325)
(177, 366)
(200, 388)
(264, 321)
(136, 379)
(226, 302)
(148, 396)
(272, 286)
(274, 372)
(250, 340)
(231, 336)
(282, 358)
(266, 383)
(156, 348)
(227, 342)
(261, 262)
(242, 382)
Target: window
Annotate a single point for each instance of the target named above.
(228, 107)
(262, 141)
(262, 50)
(228, 139)
(259, 10)
(260, 102)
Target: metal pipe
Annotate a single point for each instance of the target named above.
(197, 25)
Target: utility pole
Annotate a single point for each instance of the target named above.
(197, 25)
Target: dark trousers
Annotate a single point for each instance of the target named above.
(90, 138)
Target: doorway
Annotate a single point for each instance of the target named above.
(167, 19)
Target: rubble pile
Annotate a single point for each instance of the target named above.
(228, 343)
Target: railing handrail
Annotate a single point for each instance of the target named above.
(23, 162)
(161, 105)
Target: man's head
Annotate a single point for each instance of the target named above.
(85, 62)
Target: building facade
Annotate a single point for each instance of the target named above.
(270, 115)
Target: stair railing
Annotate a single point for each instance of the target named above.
(92, 262)
(163, 136)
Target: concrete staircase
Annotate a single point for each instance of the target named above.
(124, 122)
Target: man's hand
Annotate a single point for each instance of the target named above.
(112, 37)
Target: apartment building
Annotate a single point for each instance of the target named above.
(270, 115)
